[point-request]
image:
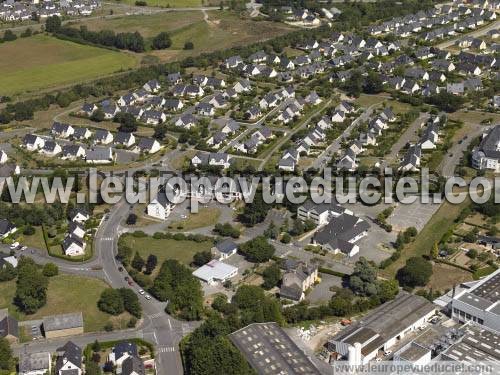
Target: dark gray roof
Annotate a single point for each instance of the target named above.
(9, 327)
(125, 347)
(63, 321)
(490, 144)
(146, 144)
(344, 227)
(226, 246)
(133, 364)
(69, 353)
(5, 226)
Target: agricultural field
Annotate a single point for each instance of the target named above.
(41, 62)
(220, 30)
(173, 3)
(147, 25)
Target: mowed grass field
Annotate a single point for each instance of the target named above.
(68, 294)
(165, 249)
(42, 61)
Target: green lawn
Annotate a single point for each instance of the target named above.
(42, 61)
(164, 249)
(67, 294)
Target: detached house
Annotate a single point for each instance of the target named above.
(148, 146)
(69, 360)
(73, 246)
(81, 134)
(160, 207)
(103, 137)
(125, 139)
(73, 152)
(33, 142)
(51, 148)
(152, 86)
(298, 278)
(186, 121)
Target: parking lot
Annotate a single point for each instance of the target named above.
(415, 215)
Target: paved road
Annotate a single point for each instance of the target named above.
(409, 135)
(322, 160)
(475, 33)
(452, 158)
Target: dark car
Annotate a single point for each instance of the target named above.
(120, 269)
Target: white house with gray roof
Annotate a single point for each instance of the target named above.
(487, 154)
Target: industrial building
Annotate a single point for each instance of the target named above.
(381, 329)
(478, 302)
(270, 351)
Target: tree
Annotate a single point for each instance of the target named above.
(255, 212)
(29, 230)
(257, 250)
(373, 84)
(387, 290)
(151, 264)
(472, 253)
(128, 122)
(96, 346)
(272, 276)
(435, 251)
(53, 24)
(7, 272)
(188, 45)
(31, 287)
(286, 238)
(161, 41)
(6, 357)
(226, 230)
(272, 231)
(160, 132)
(9, 36)
(131, 302)
(50, 269)
(354, 84)
(98, 115)
(131, 219)
(202, 257)
(111, 301)
(138, 263)
(416, 272)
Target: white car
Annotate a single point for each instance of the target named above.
(378, 359)
(141, 292)
(24, 248)
(387, 352)
(14, 245)
(148, 297)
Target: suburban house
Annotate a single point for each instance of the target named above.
(35, 363)
(224, 249)
(298, 278)
(76, 229)
(186, 121)
(103, 137)
(79, 216)
(487, 154)
(213, 159)
(121, 352)
(6, 228)
(411, 160)
(88, 109)
(173, 105)
(341, 234)
(69, 360)
(160, 207)
(133, 365)
(152, 86)
(73, 246)
(100, 156)
(429, 139)
(148, 146)
(73, 152)
(152, 117)
(124, 139)
(51, 148)
(81, 134)
(215, 272)
(9, 327)
(61, 130)
(33, 142)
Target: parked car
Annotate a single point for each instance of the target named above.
(148, 297)
(130, 283)
(120, 269)
(388, 352)
(14, 245)
(141, 292)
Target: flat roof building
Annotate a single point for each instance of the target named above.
(270, 351)
(382, 328)
(479, 302)
(215, 271)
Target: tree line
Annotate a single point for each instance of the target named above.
(107, 38)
